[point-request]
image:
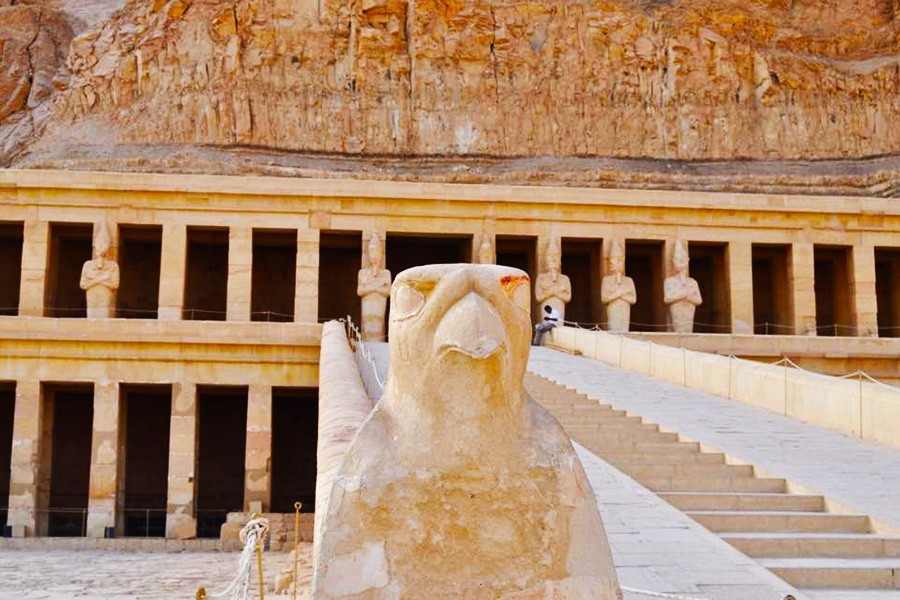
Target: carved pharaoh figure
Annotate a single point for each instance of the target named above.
(617, 291)
(552, 287)
(459, 485)
(100, 276)
(373, 287)
(486, 251)
(682, 294)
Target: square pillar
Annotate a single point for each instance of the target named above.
(240, 264)
(865, 301)
(35, 249)
(172, 271)
(740, 281)
(104, 460)
(259, 447)
(306, 299)
(803, 283)
(25, 463)
(181, 522)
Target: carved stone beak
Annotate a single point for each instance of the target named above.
(471, 327)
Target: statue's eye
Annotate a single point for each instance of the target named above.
(521, 296)
(407, 301)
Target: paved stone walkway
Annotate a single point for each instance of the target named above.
(658, 548)
(106, 575)
(862, 476)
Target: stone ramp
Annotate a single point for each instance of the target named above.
(790, 533)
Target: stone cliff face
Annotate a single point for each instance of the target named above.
(705, 79)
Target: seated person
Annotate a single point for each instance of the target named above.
(551, 320)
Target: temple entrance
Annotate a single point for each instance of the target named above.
(10, 267)
(520, 252)
(887, 291)
(274, 275)
(295, 417)
(65, 459)
(145, 416)
(709, 266)
(644, 264)
(70, 247)
(206, 275)
(7, 418)
(340, 259)
(222, 441)
(581, 262)
(834, 294)
(140, 252)
(772, 297)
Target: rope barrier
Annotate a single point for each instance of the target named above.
(356, 338)
(253, 536)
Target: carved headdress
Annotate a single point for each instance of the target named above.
(680, 256)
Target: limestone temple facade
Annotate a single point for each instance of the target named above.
(195, 395)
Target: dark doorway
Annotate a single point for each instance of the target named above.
(70, 247)
(222, 435)
(340, 259)
(709, 266)
(10, 267)
(772, 296)
(581, 262)
(295, 417)
(146, 413)
(405, 252)
(834, 294)
(140, 252)
(206, 276)
(274, 275)
(7, 418)
(644, 264)
(887, 291)
(69, 412)
(520, 252)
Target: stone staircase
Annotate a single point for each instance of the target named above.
(793, 535)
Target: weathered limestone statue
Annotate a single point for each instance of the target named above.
(459, 485)
(100, 277)
(486, 251)
(682, 294)
(617, 291)
(552, 287)
(374, 287)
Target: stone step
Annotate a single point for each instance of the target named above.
(837, 594)
(619, 435)
(608, 426)
(657, 458)
(701, 471)
(602, 448)
(814, 573)
(597, 419)
(755, 502)
(822, 545)
(721, 521)
(707, 484)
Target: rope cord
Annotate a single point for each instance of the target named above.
(354, 333)
(253, 535)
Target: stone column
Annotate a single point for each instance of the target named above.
(180, 520)
(865, 301)
(259, 447)
(172, 271)
(35, 249)
(803, 283)
(240, 264)
(306, 299)
(25, 464)
(104, 459)
(740, 281)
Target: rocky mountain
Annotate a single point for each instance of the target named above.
(674, 80)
